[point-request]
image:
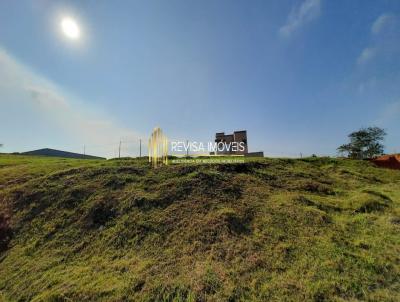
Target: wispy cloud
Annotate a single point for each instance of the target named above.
(385, 35)
(300, 15)
(367, 54)
(45, 100)
(381, 22)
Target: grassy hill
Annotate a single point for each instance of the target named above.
(314, 229)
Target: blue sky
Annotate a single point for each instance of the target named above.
(299, 75)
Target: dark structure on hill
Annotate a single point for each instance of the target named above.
(237, 137)
(59, 153)
(391, 161)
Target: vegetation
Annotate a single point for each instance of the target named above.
(312, 229)
(364, 143)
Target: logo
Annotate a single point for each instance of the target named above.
(225, 149)
(158, 148)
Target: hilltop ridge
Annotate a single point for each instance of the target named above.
(314, 229)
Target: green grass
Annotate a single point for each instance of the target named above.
(314, 229)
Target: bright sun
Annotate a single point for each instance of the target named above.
(70, 28)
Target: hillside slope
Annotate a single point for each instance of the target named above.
(267, 230)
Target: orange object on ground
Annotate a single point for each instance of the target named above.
(391, 161)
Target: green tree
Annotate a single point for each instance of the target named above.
(364, 143)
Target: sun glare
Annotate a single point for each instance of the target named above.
(70, 28)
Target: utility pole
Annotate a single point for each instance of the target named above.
(140, 148)
(84, 149)
(187, 148)
(119, 149)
